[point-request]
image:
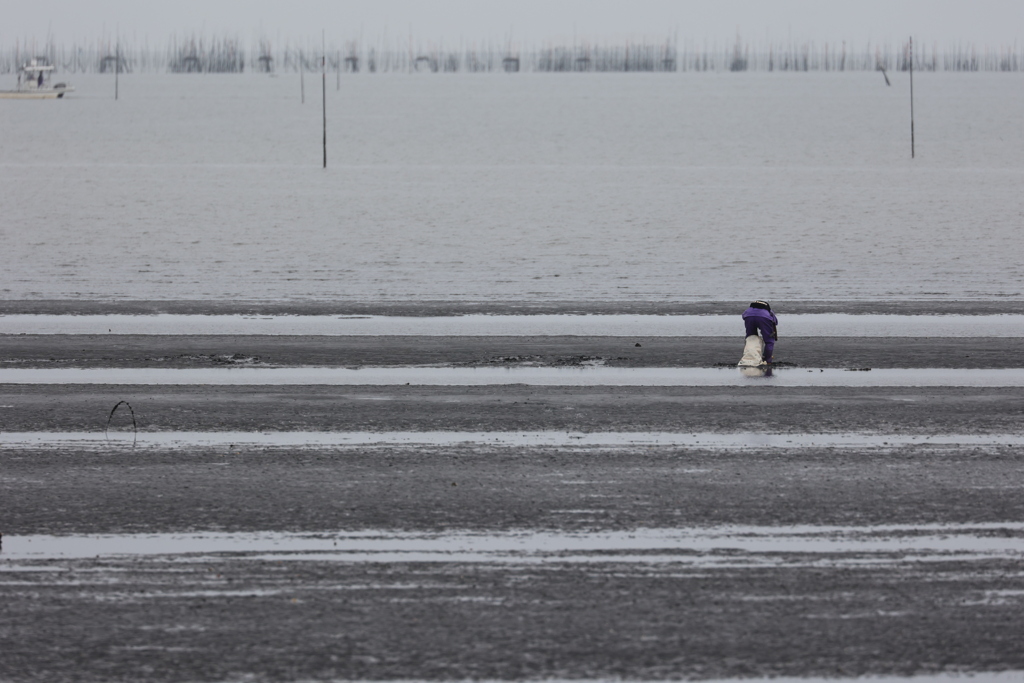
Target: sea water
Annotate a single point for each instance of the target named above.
(512, 187)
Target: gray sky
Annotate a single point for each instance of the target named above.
(994, 22)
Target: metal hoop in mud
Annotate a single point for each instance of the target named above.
(135, 426)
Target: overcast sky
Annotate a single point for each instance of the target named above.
(994, 22)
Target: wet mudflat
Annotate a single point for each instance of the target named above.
(178, 351)
(121, 490)
(222, 619)
(642, 612)
(913, 564)
(758, 408)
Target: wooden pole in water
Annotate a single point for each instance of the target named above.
(911, 97)
(117, 61)
(323, 75)
(302, 77)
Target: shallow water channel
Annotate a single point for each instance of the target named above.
(684, 545)
(557, 439)
(532, 376)
(803, 325)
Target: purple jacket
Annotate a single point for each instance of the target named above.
(763, 321)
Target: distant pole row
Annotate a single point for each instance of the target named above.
(911, 98)
(323, 79)
(323, 76)
(204, 53)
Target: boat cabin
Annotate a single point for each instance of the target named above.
(34, 82)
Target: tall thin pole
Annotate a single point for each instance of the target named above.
(117, 61)
(323, 77)
(911, 97)
(302, 76)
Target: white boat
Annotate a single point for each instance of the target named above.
(34, 83)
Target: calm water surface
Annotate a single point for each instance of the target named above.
(517, 187)
(530, 376)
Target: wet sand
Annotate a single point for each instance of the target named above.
(651, 614)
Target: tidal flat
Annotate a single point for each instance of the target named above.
(645, 561)
(912, 553)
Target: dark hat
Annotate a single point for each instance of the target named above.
(761, 304)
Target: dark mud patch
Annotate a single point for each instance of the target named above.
(76, 408)
(577, 361)
(192, 359)
(423, 488)
(355, 351)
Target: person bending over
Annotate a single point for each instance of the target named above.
(759, 318)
